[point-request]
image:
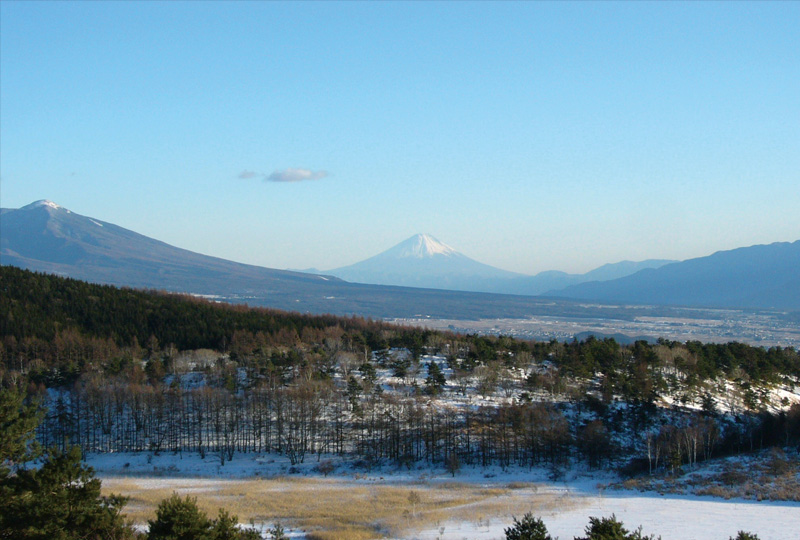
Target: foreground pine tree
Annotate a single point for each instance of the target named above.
(528, 528)
(180, 519)
(743, 535)
(62, 500)
(611, 529)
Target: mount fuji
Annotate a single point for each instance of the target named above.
(425, 262)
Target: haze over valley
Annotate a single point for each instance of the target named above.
(46, 237)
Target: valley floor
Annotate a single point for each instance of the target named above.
(424, 503)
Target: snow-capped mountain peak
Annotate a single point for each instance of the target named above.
(422, 246)
(48, 205)
(424, 261)
(43, 203)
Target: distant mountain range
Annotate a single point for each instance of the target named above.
(764, 276)
(424, 261)
(46, 237)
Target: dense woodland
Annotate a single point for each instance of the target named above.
(61, 499)
(126, 370)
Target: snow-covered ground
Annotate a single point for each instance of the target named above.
(671, 517)
(674, 517)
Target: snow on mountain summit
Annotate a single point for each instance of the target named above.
(421, 246)
(41, 203)
(45, 204)
(424, 261)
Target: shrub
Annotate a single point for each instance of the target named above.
(528, 528)
(745, 536)
(179, 519)
(611, 529)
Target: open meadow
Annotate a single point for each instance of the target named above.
(425, 504)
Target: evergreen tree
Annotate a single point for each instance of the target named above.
(226, 527)
(18, 423)
(354, 390)
(528, 528)
(277, 533)
(179, 519)
(611, 529)
(60, 501)
(745, 536)
(435, 380)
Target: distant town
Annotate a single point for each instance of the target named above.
(767, 329)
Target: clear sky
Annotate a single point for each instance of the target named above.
(530, 136)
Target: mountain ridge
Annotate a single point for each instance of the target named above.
(46, 237)
(765, 276)
(54, 240)
(424, 261)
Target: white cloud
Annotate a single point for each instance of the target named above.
(249, 174)
(296, 175)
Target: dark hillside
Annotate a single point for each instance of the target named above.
(272, 381)
(41, 305)
(40, 314)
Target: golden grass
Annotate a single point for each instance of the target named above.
(336, 509)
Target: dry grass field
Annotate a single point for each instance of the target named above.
(337, 508)
(770, 475)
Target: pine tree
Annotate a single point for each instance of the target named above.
(354, 391)
(745, 536)
(435, 380)
(18, 423)
(277, 533)
(61, 500)
(528, 528)
(179, 519)
(226, 527)
(611, 529)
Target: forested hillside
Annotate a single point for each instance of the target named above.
(132, 370)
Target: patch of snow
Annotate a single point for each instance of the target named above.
(671, 518)
(44, 203)
(96, 223)
(424, 245)
(674, 517)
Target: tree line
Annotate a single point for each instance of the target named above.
(68, 326)
(61, 499)
(114, 361)
(314, 419)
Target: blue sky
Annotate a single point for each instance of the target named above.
(530, 136)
